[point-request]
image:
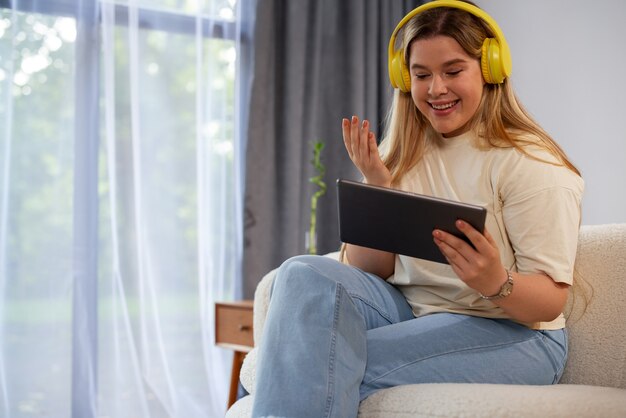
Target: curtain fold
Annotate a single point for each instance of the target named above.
(120, 204)
(317, 62)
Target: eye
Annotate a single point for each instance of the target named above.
(421, 76)
(453, 73)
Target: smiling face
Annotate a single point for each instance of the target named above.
(446, 83)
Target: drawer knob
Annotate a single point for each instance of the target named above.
(244, 327)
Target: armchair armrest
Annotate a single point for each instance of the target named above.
(261, 304)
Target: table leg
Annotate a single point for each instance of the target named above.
(234, 377)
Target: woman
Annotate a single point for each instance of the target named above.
(338, 332)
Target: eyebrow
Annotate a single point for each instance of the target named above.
(445, 64)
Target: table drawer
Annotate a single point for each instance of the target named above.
(233, 325)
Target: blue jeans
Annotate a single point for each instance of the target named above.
(335, 334)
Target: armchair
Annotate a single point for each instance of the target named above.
(594, 381)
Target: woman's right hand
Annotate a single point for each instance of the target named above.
(363, 151)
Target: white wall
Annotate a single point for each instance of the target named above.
(569, 70)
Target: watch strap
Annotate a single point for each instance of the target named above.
(505, 289)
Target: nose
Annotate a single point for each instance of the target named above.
(437, 86)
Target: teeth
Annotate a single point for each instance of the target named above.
(442, 107)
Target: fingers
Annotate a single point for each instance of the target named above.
(483, 242)
(358, 139)
(360, 142)
(373, 147)
(362, 148)
(347, 138)
(354, 138)
(452, 249)
(350, 133)
(475, 265)
(452, 242)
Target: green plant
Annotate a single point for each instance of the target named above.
(318, 180)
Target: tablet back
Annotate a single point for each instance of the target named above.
(400, 222)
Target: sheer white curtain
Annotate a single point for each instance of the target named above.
(120, 204)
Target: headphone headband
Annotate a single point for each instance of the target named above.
(496, 60)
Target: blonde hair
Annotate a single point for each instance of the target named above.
(500, 121)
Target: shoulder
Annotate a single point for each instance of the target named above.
(531, 170)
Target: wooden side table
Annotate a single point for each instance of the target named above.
(233, 330)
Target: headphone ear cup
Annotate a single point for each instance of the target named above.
(491, 62)
(398, 73)
(406, 78)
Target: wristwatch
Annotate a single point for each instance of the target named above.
(505, 290)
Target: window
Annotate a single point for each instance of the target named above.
(119, 204)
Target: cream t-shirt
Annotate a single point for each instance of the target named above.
(533, 213)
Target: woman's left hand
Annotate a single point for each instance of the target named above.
(479, 267)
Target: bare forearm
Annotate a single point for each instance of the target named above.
(535, 298)
(377, 262)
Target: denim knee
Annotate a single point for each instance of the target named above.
(298, 273)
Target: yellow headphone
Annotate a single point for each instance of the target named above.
(496, 57)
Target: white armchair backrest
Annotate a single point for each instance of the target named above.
(597, 328)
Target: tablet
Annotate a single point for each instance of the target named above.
(400, 222)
